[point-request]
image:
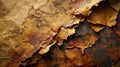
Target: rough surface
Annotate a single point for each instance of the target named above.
(30, 26)
(83, 6)
(84, 38)
(38, 33)
(103, 15)
(105, 52)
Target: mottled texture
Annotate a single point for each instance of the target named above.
(103, 15)
(30, 26)
(83, 6)
(38, 33)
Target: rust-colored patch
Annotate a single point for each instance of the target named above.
(104, 15)
(83, 42)
(96, 28)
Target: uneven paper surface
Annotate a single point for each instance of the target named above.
(38, 32)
